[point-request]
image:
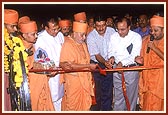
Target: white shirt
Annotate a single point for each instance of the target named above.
(118, 47)
(60, 37)
(52, 47)
(50, 44)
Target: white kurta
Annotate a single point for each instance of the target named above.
(52, 46)
(125, 50)
(119, 47)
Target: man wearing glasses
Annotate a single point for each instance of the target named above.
(124, 46)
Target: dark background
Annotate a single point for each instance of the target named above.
(39, 11)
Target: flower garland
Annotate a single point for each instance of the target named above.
(12, 48)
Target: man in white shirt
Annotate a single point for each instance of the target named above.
(124, 46)
(49, 43)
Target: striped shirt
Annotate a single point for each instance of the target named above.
(98, 44)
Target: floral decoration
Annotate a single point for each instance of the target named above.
(12, 47)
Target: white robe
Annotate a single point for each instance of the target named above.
(52, 46)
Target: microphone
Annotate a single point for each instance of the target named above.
(151, 39)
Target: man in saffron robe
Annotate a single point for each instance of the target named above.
(151, 85)
(38, 84)
(78, 85)
(10, 25)
(65, 27)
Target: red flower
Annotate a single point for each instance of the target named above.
(42, 61)
(47, 59)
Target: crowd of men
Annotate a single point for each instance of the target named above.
(91, 43)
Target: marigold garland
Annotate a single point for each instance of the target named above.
(12, 47)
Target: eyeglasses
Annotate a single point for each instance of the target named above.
(123, 29)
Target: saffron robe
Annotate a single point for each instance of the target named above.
(151, 84)
(39, 88)
(78, 85)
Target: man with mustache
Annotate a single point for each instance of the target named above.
(98, 42)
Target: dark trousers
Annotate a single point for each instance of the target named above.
(104, 91)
